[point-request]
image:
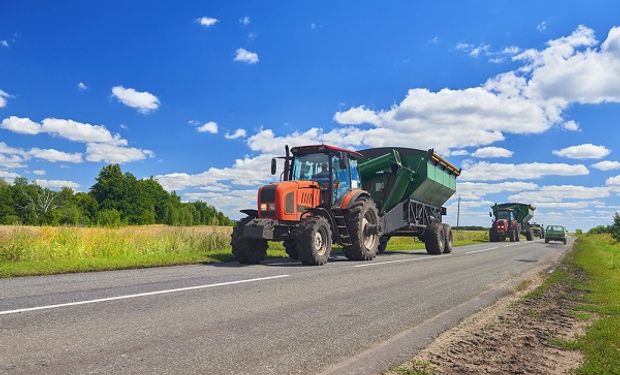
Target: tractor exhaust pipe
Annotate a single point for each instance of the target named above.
(287, 163)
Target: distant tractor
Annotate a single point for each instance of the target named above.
(511, 220)
(537, 230)
(355, 199)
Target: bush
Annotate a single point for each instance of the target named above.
(578, 231)
(615, 228)
(109, 218)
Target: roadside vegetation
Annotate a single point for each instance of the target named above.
(43, 250)
(116, 199)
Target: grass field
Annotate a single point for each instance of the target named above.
(599, 257)
(49, 250)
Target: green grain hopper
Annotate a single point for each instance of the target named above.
(409, 187)
(392, 175)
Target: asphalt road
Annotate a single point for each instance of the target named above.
(275, 318)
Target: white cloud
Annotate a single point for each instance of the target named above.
(560, 193)
(3, 97)
(110, 153)
(492, 152)
(585, 151)
(12, 161)
(478, 190)
(39, 172)
(144, 102)
(356, 116)
(4, 43)
(243, 55)
(542, 26)
(459, 153)
(8, 176)
(82, 86)
(52, 155)
(207, 21)
(20, 125)
(239, 133)
(607, 165)
(571, 126)
(613, 181)
(484, 171)
(244, 20)
(209, 127)
(57, 184)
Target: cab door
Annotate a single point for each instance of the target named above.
(341, 178)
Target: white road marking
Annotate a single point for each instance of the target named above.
(397, 261)
(481, 250)
(128, 296)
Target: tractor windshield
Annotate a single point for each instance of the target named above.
(503, 215)
(313, 167)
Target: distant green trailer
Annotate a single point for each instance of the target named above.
(511, 220)
(409, 187)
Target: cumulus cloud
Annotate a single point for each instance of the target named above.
(144, 102)
(111, 153)
(606, 165)
(243, 55)
(53, 156)
(613, 181)
(8, 176)
(560, 193)
(542, 26)
(459, 153)
(244, 20)
(3, 97)
(571, 126)
(82, 86)
(209, 127)
(585, 151)
(57, 184)
(485, 171)
(239, 133)
(39, 172)
(492, 152)
(207, 21)
(478, 190)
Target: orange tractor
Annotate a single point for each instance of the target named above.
(355, 199)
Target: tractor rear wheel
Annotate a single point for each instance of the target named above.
(362, 222)
(447, 229)
(314, 239)
(529, 236)
(435, 239)
(290, 246)
(246, 250)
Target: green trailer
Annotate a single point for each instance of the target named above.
(409, 187)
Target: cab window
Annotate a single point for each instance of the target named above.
(341, 178)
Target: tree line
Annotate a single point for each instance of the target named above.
(115, 199)
(613, 229)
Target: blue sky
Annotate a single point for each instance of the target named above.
(524, 95)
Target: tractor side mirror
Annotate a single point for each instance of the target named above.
(344, 160)
(274, 166)
(490, 214)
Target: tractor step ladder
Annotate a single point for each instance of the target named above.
(341, 227)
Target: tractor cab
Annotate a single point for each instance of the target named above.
(333, 170)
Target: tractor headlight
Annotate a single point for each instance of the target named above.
(268, 206)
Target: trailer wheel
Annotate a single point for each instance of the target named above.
(362, 222)
(491, 236)
(529, 236)
(314, 241)
(447, 229)
(435, 239)
(246, 250)
(290, 246)
(383, 242)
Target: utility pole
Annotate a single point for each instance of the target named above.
(458, 213)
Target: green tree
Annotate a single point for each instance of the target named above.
(109, 217)
(615, 228)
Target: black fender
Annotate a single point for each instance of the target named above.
(250, 213)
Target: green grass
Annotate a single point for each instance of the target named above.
(416, 367)
(28, 251)
(599, 257)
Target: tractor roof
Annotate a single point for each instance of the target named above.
(324, 148)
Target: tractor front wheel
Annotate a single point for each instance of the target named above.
(314, 241)
(290, 246)
(246, 250)
(448, 234)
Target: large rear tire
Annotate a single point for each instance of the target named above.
(314, 240)
(435, 239)
(447, 229)
(362, 222)
(246, 250)
(529, 236)
(290, 246)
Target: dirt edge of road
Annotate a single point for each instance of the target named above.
(519, 334)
